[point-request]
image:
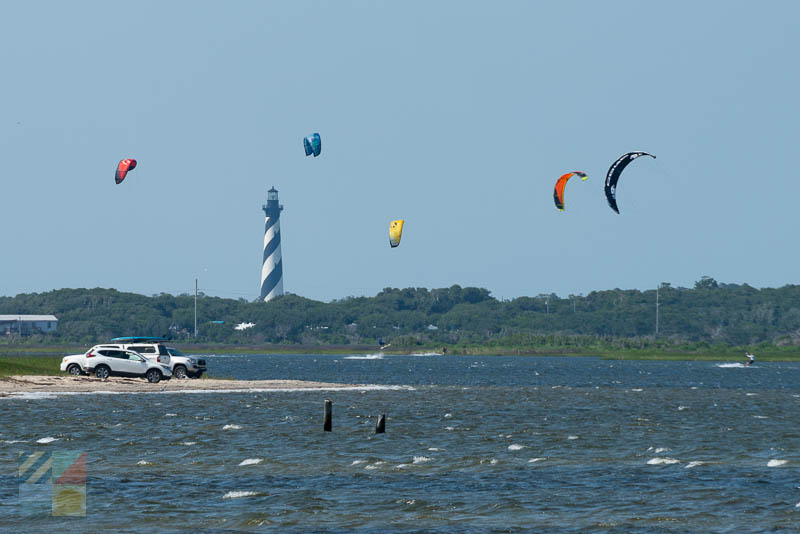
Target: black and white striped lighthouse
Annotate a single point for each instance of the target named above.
(272, 266)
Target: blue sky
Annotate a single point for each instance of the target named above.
(456, 116)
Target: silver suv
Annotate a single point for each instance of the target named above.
(182, 366)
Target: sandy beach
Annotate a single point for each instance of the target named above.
(84, 384)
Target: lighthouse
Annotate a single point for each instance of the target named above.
(272, 266)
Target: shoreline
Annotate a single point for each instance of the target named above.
(775, 354)
(82, 384)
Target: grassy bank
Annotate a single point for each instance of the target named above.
(706, 354)
(30, 365)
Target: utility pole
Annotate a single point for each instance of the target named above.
(657, 305)
(195, 307)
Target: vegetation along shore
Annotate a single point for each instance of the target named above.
(710, 321)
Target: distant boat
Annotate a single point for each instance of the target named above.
(244, 326)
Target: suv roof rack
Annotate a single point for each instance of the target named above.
(139, 339)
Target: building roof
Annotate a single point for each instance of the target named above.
(28, 318)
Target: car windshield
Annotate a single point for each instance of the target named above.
(174, 352)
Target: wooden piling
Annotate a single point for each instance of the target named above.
(380, 426)
(328, 417)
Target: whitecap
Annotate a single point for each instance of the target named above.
(681, 408)
(421, 459)
(493, 461)
(435, 449)
(661, 449)
(693, 464)
(251, 461)
(776, 463)
(365, 357)
(231, 427)
(374, 466)
(170, 415)
(448, 415)
(637, 389)
(515, 447)
(189, 443)
(751, 394)
(449, 428)
(46, 440)
(662, 461)
(572, 437)
(10, 441)
(534, 460)
(356, 462)
(143, 462)
(402, 466)
(238, 494)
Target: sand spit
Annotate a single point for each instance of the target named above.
(85, 384)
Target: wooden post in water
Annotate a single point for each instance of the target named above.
(380, 426)
(327, 418)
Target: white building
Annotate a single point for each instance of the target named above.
(27, 324)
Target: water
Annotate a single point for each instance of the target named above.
(473, 444)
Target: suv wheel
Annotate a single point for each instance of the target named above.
(179, 371)
(74, 369)
(102, 372)
(153, 376)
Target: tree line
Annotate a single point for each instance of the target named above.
(710, 313)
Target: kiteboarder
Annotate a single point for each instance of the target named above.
(750, 361)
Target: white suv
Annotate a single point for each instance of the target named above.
(182, 366)
(74, 364)
(104, 362)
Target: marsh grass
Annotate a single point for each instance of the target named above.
(46, 359)
(29, 365)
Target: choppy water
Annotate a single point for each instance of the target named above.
(473, 444)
